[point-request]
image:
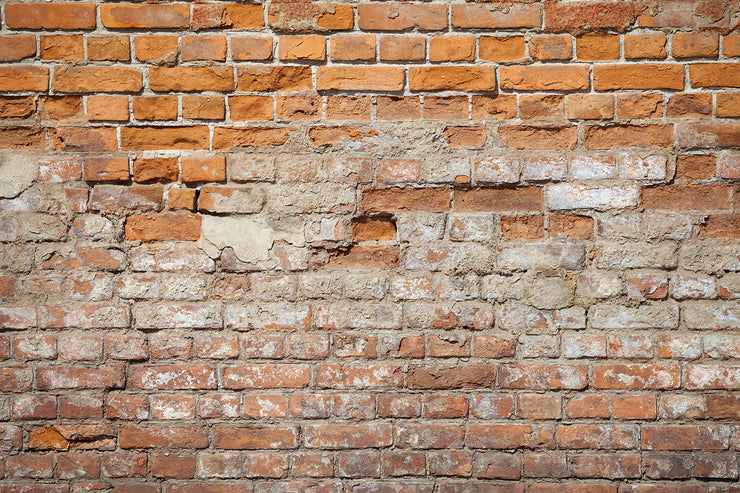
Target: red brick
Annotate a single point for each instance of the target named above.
(405, 199)
(155, 436)
(348, 436)
(251, 48)
(255, 437)
(494, 199)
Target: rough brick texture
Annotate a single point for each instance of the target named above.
(435, 246)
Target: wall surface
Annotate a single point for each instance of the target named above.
(370, 247)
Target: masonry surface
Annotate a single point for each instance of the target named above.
(370, 247)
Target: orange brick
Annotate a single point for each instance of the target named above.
(191, 79)
(501, 48)
(310, 17)
(545, 77)
(693, 197)
(714, 74)
(356, 78)
(570, 226)
(529, 227)
(162, 227)
(24, 78)
(401, 17)
(446, 108)
(109, 48)
(96, 79)
(106, 169)
(17, 47)
(451, 78)
(639, 106)
(484, 16)
(352, 47)
(398, 107)
(292, 108)
(203, 48)
(203, 107)
(155, 169)
(402, 48)
(638, 76)
(592, 47)
(157, 50)
(648, 45)
(17, 106)
(498, 107)
(590, 106)
(62, 47)
(50, 15)
(244, 108)
(302, 48)
(154, 138)
(61, 108)
(451, 48)
(473, 137)
(349, 108)
(128, 16)
(256, 78)
(551, 47)
(107, 108)
(202, 169)
(689, 104)
(731, 45)
(155, 107)
(181, 199)
(541, 107)
(728, 105)
(695, 167)
(228, 16)
(695, 45)
(256, 48)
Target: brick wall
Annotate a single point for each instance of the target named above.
(370, 247)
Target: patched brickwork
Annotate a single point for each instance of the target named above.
(436, 246)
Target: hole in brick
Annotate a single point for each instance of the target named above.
(374, 228)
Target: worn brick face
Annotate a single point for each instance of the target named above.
(379, 247)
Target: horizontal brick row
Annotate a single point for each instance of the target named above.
(322, 17)
(355, 78)
(166, 50)
(536, 137)
(513, 406)
(553, 108)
